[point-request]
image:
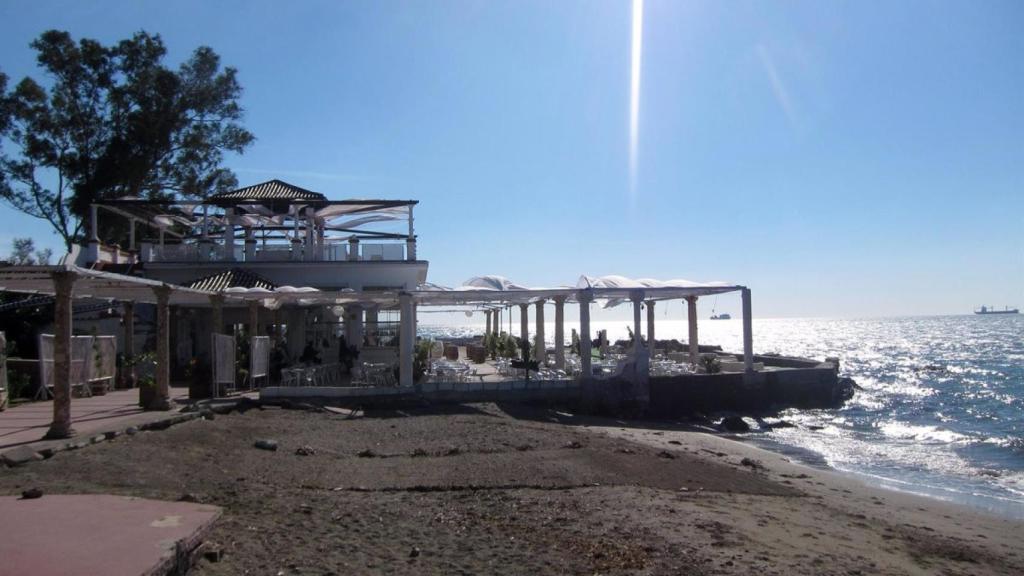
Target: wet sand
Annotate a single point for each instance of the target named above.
(509, 490)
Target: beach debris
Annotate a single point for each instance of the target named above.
(20, 455)
(264, 444)
(32, 494)
(367, 453)
(574, 445)
(98, 438)
(626, 451)
(415, 552)
(131, 431)
(753, 464)
(305, 451)
(734, 424)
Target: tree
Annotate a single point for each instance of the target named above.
(115, 121)
(24, 253)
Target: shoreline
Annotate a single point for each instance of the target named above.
(999, 506)
(512, 489)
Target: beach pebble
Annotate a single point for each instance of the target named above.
(20, 455)
(414, 552)
(266, 445)
(32, 494)
(131, 431)
(305, 451)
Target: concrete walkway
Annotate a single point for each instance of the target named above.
(71, 535)
(27, 423)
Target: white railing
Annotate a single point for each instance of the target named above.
(334, 252)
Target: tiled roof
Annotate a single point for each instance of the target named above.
(270, 190)
(234, 278)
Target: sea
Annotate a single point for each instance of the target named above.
(939, 412)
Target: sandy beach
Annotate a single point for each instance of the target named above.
(482, 488)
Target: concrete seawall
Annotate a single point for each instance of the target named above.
(768, 391)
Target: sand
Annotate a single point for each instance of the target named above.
(481, 488)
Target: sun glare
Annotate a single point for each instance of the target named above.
(634, 93)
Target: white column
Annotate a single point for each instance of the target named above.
(637, 297)
(250, 244)
(748, 335)
(63, 283)
(370, 327)
(691, 317)
(560, 332)
(524, 321)
(229, 236)
(94, 233)
(406, 339)
(650, 325)
(584, 297)
(540, 351)
(487, 316)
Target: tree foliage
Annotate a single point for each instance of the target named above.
(24, 253)
(115, 121)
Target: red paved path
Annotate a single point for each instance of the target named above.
(90, 535)
(27, 423)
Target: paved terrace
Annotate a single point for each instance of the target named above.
(27, 423)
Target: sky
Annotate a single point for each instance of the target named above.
(842, 159)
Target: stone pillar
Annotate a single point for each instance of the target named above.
(524, 322)
(217, 315)
(128, 315)
(637, 297)
(560, 332)
(254, 318)
(650, 326)
(406, 339)
(585, 298)
(487, 316)
(63, 285)
(540, 350)
(371, 327)
(691, 316)
(748, 334)
(163, 349)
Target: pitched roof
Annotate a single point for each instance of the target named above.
(270, 190)
(233, 278)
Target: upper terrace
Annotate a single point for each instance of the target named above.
(269, 222)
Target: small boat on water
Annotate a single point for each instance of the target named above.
(722, 316)
(1005, 310)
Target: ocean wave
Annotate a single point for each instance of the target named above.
(898, 430)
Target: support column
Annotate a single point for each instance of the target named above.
(63, 284)
(229, 236)
(748, 332)
(560, 332)
(487, 315)
(128, 315)
(585, 298)
(254, 318)
(637, 297)
(371, 326)
(650, 325)
(406, 339)
(540, 351)
(691, 317)
(217, 316)
(524, 322)
(275, 334)
(161, 400)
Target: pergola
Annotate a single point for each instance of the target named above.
(488, 293)
(65, 282)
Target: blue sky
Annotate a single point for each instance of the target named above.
(840, 158)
